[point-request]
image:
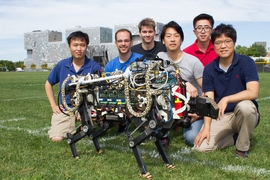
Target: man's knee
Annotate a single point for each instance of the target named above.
(191, 133)
(247, 107)
(248, 111)
(57, 138)
(198, 149)
(189, 138)
(204, 148)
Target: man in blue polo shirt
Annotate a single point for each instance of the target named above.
(123, 42)
(232, 81)
(77, 64)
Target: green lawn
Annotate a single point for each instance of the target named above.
(27, 153)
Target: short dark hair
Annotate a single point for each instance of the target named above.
(202, 17)
(123, 30)
(225, 29)
(78, 34)
(174, 25)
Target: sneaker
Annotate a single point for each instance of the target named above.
(241, 154)
(165, 142)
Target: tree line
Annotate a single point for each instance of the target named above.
(254, 50)
(6, 65)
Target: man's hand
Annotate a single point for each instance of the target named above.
(222, 104)
(193, 117)
(56, 109)
(203, 134)
(191, 89)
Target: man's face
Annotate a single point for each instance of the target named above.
(172, 39)
(78, 48)
(147, 34)
(203, 30)
(224, 46)
(123, 42)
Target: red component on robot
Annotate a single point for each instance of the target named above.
(178, 103)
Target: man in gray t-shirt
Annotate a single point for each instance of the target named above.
(191, 70)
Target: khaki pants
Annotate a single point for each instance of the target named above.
(243, 121)
(61, 124)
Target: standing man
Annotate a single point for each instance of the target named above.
(123, 42)
(202, 48)
(191, 70)
(148, 46)
(147, 31)
(232, 81)
(77, 64)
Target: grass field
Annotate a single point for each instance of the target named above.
(27, 153)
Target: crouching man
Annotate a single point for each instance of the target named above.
(77, 64)
(232, 81)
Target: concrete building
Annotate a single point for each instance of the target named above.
(262, 43)
(47, 46)
(42, 46)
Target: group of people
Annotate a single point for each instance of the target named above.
(210, 67)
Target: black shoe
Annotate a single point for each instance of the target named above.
(123, 127)
(165, 142)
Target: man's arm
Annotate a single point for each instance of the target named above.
(50, 95)
(199, 81)
(205, 132)
(251, 93)
(194, 93)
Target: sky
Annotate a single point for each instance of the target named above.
(250, 18)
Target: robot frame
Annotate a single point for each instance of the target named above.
(150, 93)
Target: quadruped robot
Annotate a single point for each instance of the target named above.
(150, 93)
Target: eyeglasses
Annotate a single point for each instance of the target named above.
(227, 43)
(125, 40)
(201, 28)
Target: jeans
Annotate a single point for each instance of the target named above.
(191, 132)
